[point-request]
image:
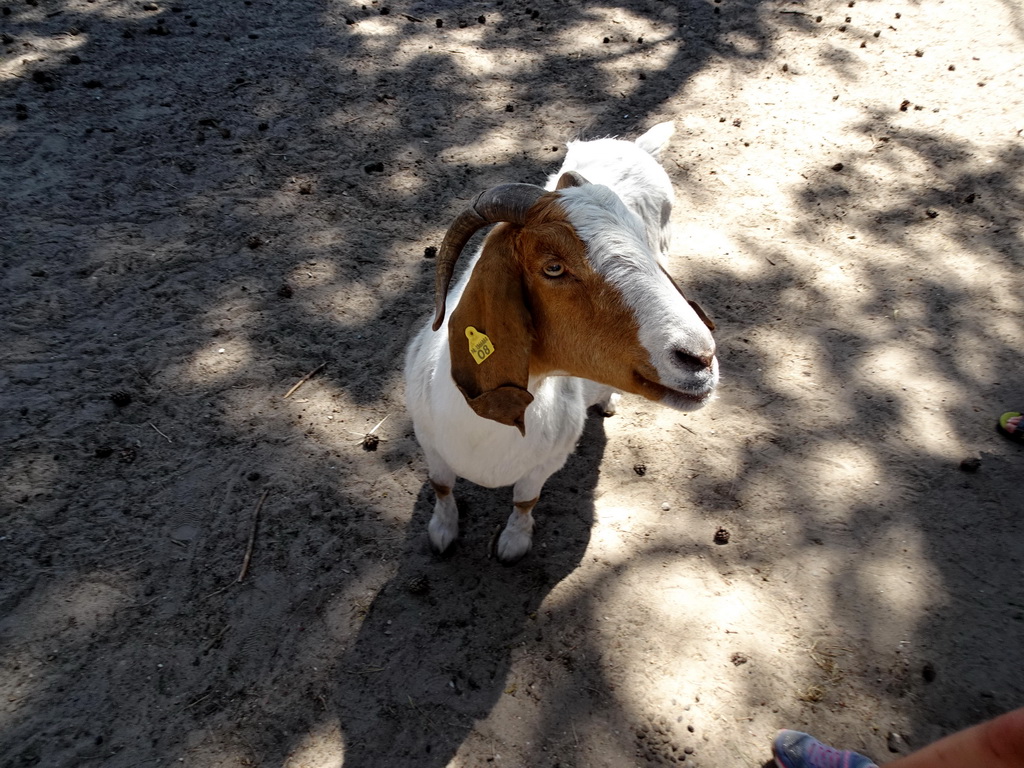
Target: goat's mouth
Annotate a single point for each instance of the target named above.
(680, 400)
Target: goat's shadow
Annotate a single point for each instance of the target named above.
(433, 652)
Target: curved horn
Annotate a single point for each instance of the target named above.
(506, 202)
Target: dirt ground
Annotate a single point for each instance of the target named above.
(203, 202)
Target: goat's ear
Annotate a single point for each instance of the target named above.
(571, 179)
(702, 315)
(656, 139)
(490, 334)
(693, 304)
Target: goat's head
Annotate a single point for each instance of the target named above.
(568, 284)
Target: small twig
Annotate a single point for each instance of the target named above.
(492, 545)
(412, 18)
(304, 379)
(688, 429)
(201, 698)
(976, 576)
(252, 537)
(165, 437)
(217, 639)
(212, 594)
(421, 713)
(368, 671)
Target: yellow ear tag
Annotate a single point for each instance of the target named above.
(480, 346)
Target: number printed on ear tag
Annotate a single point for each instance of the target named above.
(480, 346)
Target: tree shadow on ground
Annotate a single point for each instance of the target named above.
(906, 380)
(261, 181)
(470, 614)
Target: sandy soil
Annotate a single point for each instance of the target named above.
(201, 202)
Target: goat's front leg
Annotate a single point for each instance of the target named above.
(517, 538)
(444, 523)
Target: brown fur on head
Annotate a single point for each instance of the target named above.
(535, 295)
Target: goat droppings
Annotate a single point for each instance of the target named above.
(121, 398)
(417, 585)
(970, 465)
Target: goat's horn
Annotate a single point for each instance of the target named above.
(506, 202)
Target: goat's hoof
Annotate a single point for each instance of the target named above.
(513, 546)
(609, 406)
(442, 537)
(444, 554)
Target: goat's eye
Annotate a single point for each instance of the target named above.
(554, 269)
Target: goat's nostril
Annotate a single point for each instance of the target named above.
(691, 362)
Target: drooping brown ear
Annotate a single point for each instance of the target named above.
(696, 307)
(702, 315)
(490, 334)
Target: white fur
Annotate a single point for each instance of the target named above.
(623, 217)
(636, 177)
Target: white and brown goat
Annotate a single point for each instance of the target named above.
(566, 302)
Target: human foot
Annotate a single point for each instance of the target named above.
(793, 749)
(1010, 424)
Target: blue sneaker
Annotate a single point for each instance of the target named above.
(793, 749)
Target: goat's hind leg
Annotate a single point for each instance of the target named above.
(609, 405)
(604, 397)
(444, 523)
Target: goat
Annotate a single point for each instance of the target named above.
(566, 303)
